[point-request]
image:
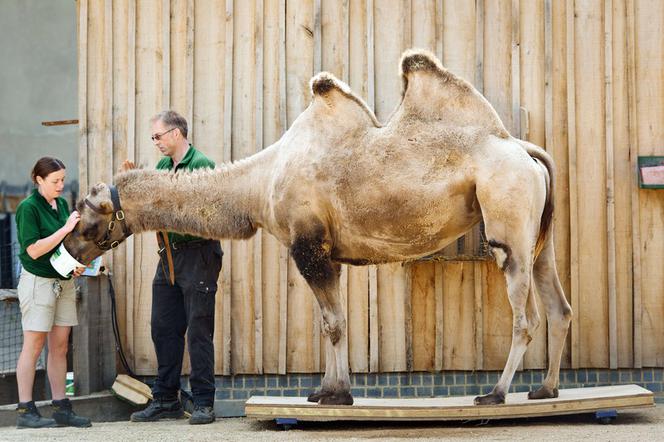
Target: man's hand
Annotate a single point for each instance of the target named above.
(127, 165)
(78, 271)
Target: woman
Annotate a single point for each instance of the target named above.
(48, 301)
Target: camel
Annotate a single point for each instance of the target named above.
(339, 187)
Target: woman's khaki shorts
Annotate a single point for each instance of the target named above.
(41, 306)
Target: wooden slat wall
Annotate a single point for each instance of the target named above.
(581, 78)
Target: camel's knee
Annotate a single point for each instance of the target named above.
(335, 329)
(561, 318)
(521, 331)
(502, 254)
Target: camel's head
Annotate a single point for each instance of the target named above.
(102, 225)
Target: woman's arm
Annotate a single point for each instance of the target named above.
(44, 245)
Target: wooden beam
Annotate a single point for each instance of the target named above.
(59, 122)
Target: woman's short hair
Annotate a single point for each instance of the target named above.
(44, 167)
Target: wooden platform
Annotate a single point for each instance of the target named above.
(573, 400)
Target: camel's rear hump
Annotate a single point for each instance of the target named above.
(431, 92)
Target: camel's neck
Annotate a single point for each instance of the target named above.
(223, 203)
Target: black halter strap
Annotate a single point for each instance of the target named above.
(118, 215)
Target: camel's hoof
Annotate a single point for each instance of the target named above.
(490, 399)
(543, 393)
(318, 395)
(338, 398)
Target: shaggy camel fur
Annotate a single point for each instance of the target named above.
(340, 188)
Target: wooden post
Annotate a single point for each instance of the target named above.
(93, 341)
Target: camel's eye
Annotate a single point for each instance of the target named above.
(90, 232)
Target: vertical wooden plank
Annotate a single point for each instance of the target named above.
(479, 45)
(374, 330)
(424, 30)
(258, 145)
(150, 96)
(212, 98)
(334, 58)
(423, 301)
(498, 89)
(634, 194)
(556, 140)
(181, 79)
(497, 317)
(532, 73)
(131, 155)
(390, 28)
(622, 187)
(182, 56)
(243, 289)
(439, 322)
(227, 270)
(459, 38)
(515, 69)
(303, 345)
(459, 315)
(374, 338)
(649, 59)
(121, 92)
(273, 127)
(592, 242)
(573, 199)
(358, 280)
(283, 252)
(82, 7)
(610, 186)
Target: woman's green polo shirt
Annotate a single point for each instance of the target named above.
(36, 219)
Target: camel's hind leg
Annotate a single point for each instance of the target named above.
(516, 261)
(559, 316)
(512, 209)
(311, 252)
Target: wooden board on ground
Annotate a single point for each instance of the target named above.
(131, 390)
(570, 401)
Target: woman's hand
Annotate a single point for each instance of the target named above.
(78, 271)
(71, 221)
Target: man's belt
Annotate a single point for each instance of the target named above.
(193, 244)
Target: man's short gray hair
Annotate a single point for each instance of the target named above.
(172, 119)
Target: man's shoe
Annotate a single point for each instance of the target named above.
(29, 417)
(159, 409)
(65, 417)
(202, 415)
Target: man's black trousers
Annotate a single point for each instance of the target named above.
(187, 306)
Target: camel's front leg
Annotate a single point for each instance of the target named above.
(311, 252)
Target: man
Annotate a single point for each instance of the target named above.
(183, 292)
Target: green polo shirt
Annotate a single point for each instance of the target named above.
(36, 219)
(193, 159)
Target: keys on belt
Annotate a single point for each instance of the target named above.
(57, 288)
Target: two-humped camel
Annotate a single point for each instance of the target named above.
(340, 188)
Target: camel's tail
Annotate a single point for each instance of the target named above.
(547, 213)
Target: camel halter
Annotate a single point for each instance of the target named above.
(118, 215)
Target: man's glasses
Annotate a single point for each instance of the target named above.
(157, 137)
